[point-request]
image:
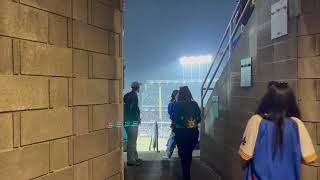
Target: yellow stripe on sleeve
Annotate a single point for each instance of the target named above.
(250, 137)
(244, 155)
(307, 149)
(310, 158)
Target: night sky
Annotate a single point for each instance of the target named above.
(158, 32)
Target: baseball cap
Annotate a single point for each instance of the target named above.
(135, 84)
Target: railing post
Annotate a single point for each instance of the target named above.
(230, 40)
(202, 101)
(230, 32)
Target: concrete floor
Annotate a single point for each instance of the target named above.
(155, 167)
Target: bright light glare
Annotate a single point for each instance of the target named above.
(207, 59)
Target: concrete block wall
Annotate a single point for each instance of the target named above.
(293, 58)
(309, 76)
(61, 94)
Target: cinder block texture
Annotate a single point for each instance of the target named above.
(114, 93)
(80, 119)
(58, 30)
(90, 38)
(23, 22)
(81, 171)
(293, 58)
(309, 67)
(90, 145)
(58, 112)
(66, 174)
(116, 177)
(107, 67)
(59, 92)
(25, 163)
(115, 45)
(309, 75)
(100, 115)
(61, 7)
(6, 131)
(90, 91)
(21, 93)
(80, 10)
(102, 168)
(42, 59)
(80, 63)
(6, 57)
(59, 154)
(113, 17)
(43, 125)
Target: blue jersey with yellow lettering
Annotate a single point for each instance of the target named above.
(267, 164)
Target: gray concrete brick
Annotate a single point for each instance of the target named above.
(309, 67)
(307, 89)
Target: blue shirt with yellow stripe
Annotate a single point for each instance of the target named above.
(257, 148)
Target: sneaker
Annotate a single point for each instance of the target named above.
(139, 160)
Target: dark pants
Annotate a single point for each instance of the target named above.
(186, 142)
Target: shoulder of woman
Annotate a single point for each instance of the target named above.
(297, 120)
(256, 118)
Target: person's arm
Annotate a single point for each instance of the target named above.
(249, 139)
(170, 108)
(175, 112)
(307, 149)
(134, 103)
(135, 108)
(198, 113)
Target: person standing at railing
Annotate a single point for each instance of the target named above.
(131, 122)
(171, 143)
(275, 141)
(186, 116)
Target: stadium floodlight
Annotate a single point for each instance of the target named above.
(186, 60)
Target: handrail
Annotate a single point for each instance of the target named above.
(231, 31)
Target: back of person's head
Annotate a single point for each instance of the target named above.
(278, 103)
(185, 94)
(279, 100)
(174, 95)
(135, 85)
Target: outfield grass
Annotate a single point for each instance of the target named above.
(143, 143)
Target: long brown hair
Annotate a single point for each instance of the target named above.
(185, 94)
(278, 103)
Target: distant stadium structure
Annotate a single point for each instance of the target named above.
(154, 98)
(156, 94)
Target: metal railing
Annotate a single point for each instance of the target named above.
(224, 48)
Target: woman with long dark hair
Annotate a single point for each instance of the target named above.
(186, 116)
(276, 142)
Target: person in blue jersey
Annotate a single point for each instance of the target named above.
(171, 143)
(275, 141)
(186, 116)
